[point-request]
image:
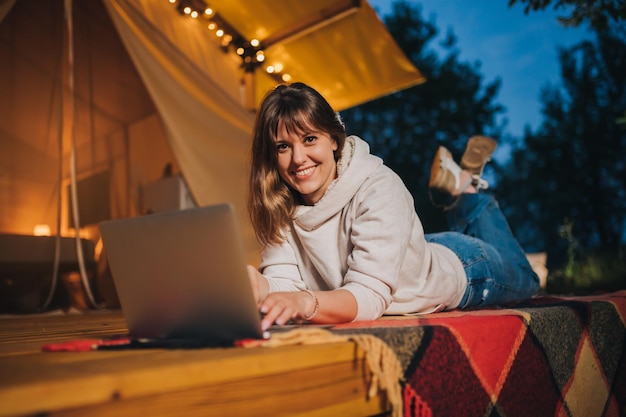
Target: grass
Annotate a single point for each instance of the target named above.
(597, 272)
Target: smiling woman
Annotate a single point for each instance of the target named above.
(306, 161)
(286, 141)
(342, 241)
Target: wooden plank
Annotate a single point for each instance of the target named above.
(309, 380)
(26, 334)
(61, 380)
(338, 389)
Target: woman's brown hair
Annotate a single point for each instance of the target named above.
(271, 202)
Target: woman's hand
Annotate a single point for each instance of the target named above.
(280, 307)
(336, 306)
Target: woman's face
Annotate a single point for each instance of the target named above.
(306, 162)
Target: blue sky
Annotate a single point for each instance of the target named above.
(520, 49)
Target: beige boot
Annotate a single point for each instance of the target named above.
(445, 174)
(477, 153)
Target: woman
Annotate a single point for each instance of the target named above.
(341, 238)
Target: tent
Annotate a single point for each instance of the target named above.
(119, 94)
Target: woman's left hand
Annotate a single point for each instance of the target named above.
(280, 307)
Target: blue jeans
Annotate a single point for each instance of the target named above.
(495, 264)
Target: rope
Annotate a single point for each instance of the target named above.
(57, 240)
(73, 189)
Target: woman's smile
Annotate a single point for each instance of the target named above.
(304, 172)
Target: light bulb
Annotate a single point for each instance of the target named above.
(41, 230)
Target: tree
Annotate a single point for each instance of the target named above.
(571, 172)
(599, 13)
(405, 128)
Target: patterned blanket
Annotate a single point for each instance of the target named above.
(549, 356)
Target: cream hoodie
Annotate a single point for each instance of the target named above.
(365, 237)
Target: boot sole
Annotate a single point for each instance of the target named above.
(477, 153)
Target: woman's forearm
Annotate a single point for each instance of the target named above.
(337, 306)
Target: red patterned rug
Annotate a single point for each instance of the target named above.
(550, 356)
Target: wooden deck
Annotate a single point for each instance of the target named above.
(319, 380)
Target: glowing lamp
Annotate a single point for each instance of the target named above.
(41, 230)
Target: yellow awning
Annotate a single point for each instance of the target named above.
(339, 47)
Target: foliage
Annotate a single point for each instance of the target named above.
(565, 185)
(595, 272)
(406, 128)
(599, 13)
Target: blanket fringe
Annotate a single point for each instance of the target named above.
(382, 362)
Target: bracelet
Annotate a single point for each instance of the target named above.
(317, 306)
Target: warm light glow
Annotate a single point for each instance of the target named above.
(99, 248)
(41, 230)
(226, 41)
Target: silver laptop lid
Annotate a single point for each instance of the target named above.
(182, 275)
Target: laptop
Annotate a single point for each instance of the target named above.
(181, 275)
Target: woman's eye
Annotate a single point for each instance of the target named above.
(310, 139)
(281, 147)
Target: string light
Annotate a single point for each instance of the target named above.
(251, 52)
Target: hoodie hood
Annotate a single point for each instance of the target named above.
(355, 166)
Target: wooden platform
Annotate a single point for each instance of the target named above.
(317, 380)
